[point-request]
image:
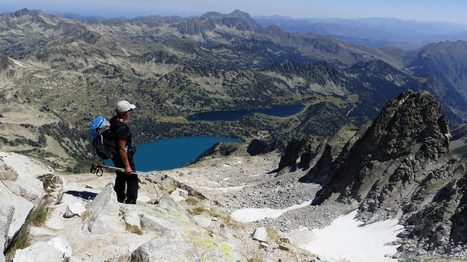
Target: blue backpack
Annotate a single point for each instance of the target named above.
(102, 139)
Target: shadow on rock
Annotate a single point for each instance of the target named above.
(86, 195)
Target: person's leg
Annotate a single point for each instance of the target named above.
(132, 189)
(120, 180)
(120, 184)
(132, 184)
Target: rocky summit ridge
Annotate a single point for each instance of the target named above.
(402, 167)
(410, 126)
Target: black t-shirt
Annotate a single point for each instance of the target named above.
(120, 131)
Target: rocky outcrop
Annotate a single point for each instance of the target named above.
(317, 173)
(56, 249)
(258, 147)
(328, 151)
(301, 150)
(20, 192)
(440, 225)
(312, 154)
(408, 136)
(402, 167)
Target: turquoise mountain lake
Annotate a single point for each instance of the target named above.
(276, 110)
(164, 154)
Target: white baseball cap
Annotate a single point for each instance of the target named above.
(124, 106)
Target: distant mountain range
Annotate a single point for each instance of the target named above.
(171, 67)
(373, 32)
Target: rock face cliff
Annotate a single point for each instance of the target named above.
(440, 225)
(408, 136)
(402, 167)
(21, 192)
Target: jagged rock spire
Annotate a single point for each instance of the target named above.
(409, 134)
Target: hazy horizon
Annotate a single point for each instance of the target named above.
(90, 16)
(417, 10)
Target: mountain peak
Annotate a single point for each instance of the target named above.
(409, 132)
(26, 11)
(240, 14)
(236, 13)
(207, 22)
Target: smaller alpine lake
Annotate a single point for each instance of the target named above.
(170, 153)
(275, 110)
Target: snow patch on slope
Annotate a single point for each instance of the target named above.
(346, 239)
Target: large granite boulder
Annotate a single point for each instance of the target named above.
(104, 216)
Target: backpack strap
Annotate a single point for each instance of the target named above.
(99, 131)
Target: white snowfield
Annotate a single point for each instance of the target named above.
(347, 240)
(247, 215)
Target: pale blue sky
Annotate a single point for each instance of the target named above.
(428, 10)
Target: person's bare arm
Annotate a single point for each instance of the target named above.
(124, 156)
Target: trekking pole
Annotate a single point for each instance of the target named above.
(98, 169)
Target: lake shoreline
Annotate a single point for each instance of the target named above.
(171, 153)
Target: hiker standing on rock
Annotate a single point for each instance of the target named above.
(124, 156)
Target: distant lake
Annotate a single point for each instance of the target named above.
(164, 154)
(276, 110)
